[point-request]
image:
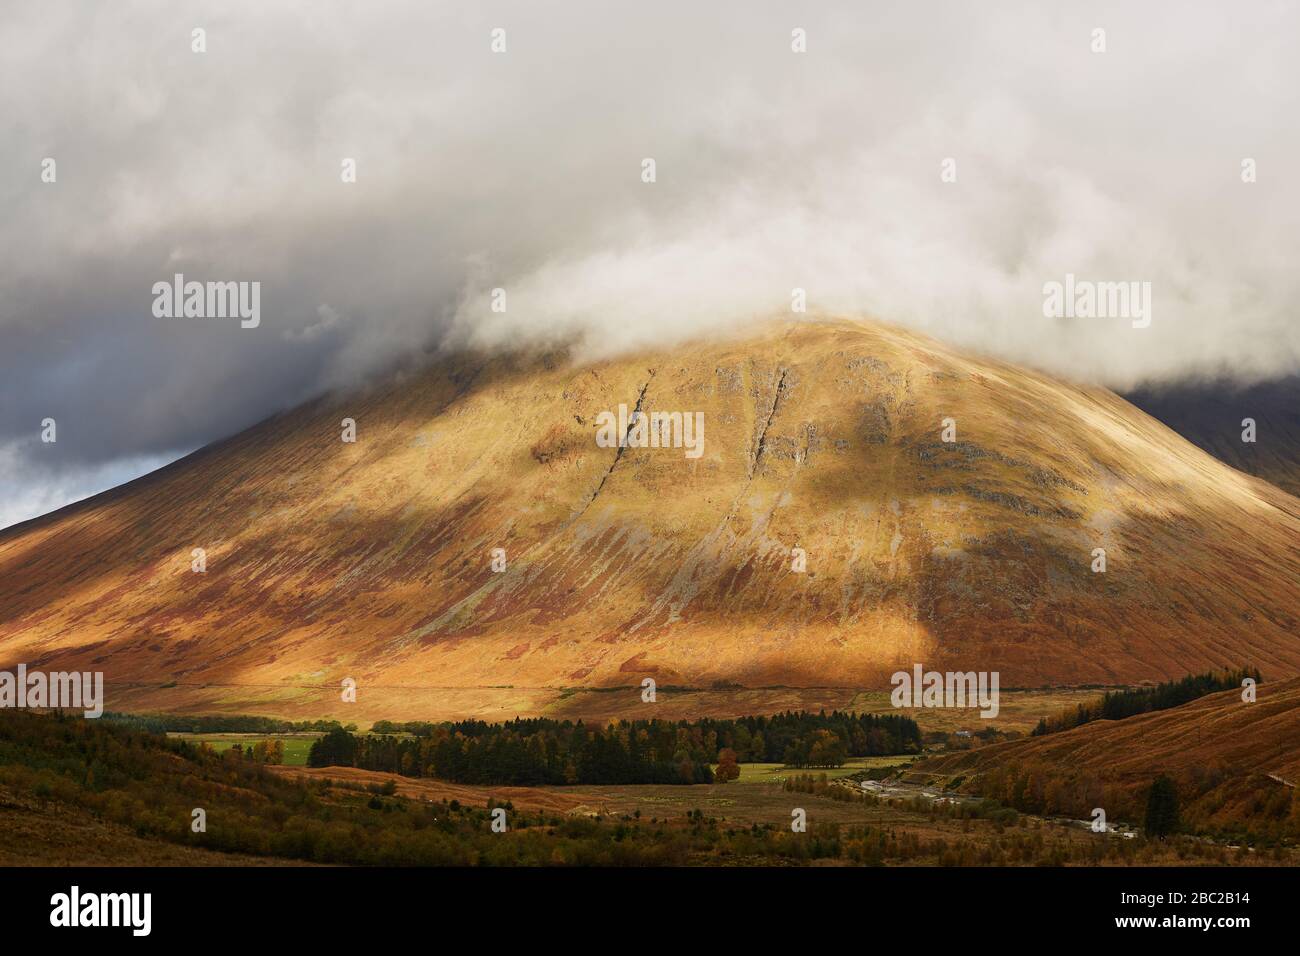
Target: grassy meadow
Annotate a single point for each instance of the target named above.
(296, 746)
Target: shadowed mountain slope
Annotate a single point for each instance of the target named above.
(1210, 416)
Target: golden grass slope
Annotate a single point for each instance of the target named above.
(372, 560)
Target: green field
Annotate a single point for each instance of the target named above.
(296, 746)
(777, 772)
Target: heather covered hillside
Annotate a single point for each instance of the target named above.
(1235, 765)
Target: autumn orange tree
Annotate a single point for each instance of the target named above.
(728, 767)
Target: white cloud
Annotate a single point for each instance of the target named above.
(474, 170)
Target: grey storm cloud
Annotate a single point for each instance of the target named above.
(521, 170)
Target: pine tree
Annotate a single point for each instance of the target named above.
(1162, 808)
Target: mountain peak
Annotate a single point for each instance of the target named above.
(863, 498)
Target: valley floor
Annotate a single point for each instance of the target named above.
(918, 833)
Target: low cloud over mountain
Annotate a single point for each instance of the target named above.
(522, 170)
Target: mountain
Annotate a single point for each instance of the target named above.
(1210, 415)
(372, 560)
(1235, 763)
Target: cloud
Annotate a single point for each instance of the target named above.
(522, 171)
(33, 488)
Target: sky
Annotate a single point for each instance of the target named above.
(523, 170)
